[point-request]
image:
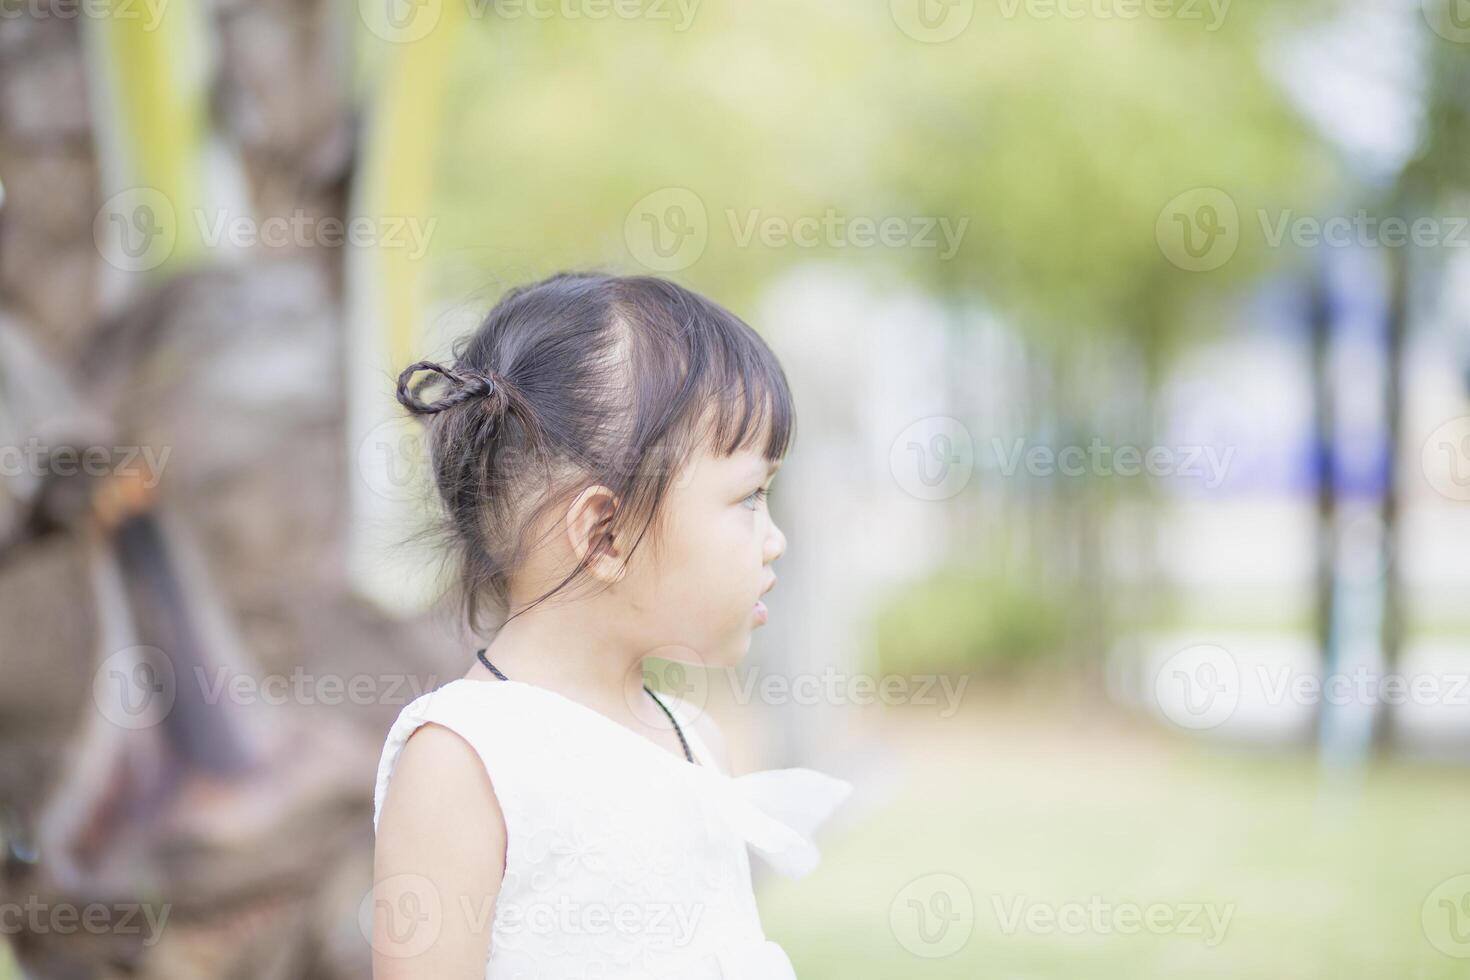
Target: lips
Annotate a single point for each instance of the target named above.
(759, 610)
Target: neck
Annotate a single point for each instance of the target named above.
(569, 649)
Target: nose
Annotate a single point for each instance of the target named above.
(775, 543)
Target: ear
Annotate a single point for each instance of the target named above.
(588, 521)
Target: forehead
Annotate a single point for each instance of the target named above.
(745, 465)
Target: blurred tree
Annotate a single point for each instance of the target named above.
(150, 89)
(1435, 180)
(1049, 147)
(1061, 141)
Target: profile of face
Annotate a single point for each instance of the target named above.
(717, 556)
(697, 596)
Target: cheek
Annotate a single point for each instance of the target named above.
(712, 557)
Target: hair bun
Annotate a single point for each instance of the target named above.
(463, 386)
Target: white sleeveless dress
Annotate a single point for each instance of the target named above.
(623, 860)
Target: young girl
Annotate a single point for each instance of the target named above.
(603, 447)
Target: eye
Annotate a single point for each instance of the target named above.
(756, 495)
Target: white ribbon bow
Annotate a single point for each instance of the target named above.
(778, 810)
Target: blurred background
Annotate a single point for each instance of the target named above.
(1128, 573)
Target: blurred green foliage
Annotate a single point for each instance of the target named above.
(1060, 140)
(963, 620)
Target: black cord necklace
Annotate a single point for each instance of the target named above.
(677, 730)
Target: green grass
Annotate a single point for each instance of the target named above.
(1320, 883)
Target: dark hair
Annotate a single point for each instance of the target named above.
(584, 379)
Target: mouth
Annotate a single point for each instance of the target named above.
(759, 609)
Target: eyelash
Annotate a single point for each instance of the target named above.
(758, 494)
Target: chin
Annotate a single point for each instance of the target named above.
(732, 654)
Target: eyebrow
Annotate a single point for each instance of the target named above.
(757, 471)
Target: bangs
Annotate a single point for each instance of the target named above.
(708, 373)
(752, 409)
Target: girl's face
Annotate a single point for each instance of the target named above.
(715, 561)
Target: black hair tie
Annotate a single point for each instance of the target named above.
(464, 386)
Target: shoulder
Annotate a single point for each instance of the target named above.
(436, 759)
(434, 750)
(437, 777)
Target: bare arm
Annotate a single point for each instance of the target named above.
(438, 862)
